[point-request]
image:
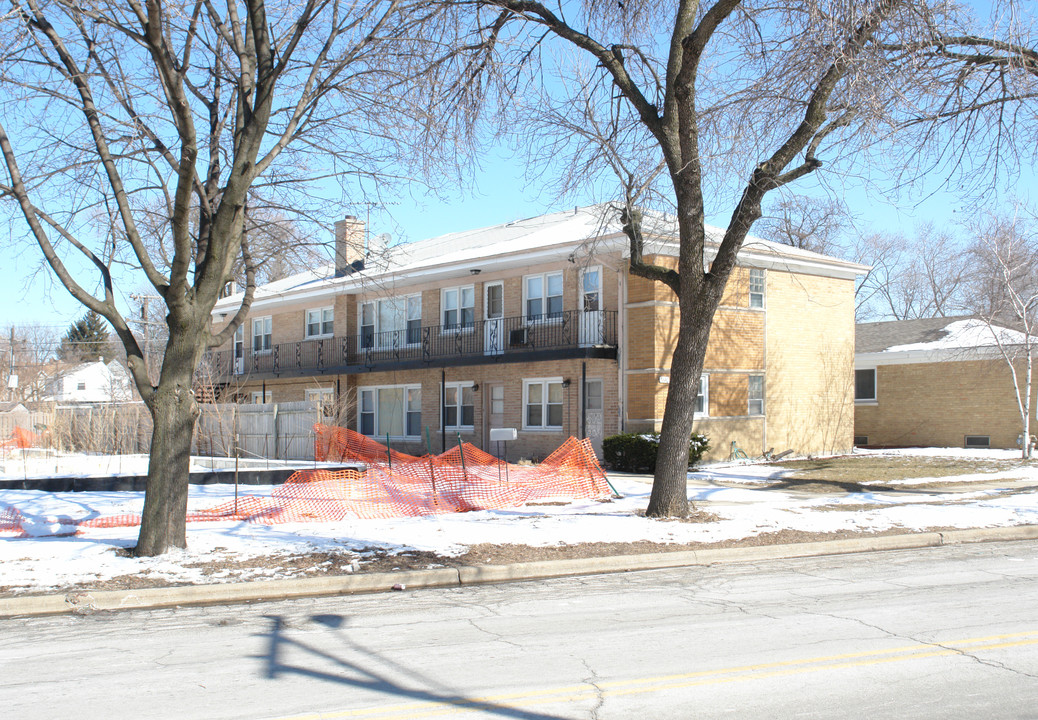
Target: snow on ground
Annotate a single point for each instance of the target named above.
(46, 562)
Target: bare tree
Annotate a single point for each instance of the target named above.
(278, 244)
(29, 353)
(808, 223)
(913, 277)
(680, 105)
(1004, 295)
(189, 106)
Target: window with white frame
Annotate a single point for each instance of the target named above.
(459, 405)
(319, 322)
(239, 344)
(414, 319)
(542, 296)
(323, 398)
(755, 395)
(756, 288)
(542, 404)
(865, 385)
(367, 324)
(394, 410)
(703, 397)
(391, 322)
(458, 307)
(259, 397)
(261, 334)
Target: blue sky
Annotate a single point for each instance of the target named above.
(500, 194)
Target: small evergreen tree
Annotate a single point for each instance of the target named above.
(87, 340)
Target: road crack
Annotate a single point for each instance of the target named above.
(592, 680)
(948, 648)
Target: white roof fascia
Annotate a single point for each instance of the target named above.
(764, 257)
(864, 361)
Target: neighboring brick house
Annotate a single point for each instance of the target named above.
(538, 325)
(935, 382)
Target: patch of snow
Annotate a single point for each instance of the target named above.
(971, 333)
(43, 562)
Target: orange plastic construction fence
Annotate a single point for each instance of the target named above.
(20, 438)
(462, 479)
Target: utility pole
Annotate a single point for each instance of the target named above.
(10, 371)
(146, 324)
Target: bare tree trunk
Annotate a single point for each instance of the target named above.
(1027, 405)
(174, 413)
(669, 497)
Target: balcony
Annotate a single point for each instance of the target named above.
(516, 339)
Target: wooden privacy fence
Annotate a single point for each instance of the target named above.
(25, 420)
(277, 431)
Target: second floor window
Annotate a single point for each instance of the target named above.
(459, 307)
(756, 288)
(543, 296)
(391, 322)
(261, 334)
(319, 322)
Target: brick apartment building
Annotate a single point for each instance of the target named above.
(537, 325)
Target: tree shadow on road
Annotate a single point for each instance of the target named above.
(367, 678)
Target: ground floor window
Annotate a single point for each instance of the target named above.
(703, 396)
(865, 384)
(542, 402)
(394, 410)
(459, 405)
(324, 398)
(260, 397)
(755, 393)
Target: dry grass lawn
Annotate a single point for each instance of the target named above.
(871, 472)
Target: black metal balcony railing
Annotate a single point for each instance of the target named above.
(501, 338)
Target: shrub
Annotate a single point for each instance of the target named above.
(636, 452)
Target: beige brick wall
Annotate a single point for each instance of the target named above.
(736, 350)
(810, 359)
(938, 404)
(745, 431)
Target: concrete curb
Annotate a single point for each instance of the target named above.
(268, 590)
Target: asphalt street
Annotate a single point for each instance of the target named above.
(946, 632)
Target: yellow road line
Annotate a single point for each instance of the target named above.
(662, 683)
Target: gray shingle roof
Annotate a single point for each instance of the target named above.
(878, 336)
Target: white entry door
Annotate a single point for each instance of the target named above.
(591, 306)
(594, 414)
(493, 319)
(239, 350)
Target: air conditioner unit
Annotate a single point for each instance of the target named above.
(519, 336)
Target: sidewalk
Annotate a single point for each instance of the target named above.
(272, 590)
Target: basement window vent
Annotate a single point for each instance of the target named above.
(978, 441)
(861, 439)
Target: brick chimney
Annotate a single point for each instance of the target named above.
(349, 246)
